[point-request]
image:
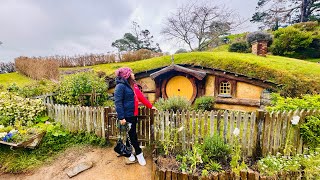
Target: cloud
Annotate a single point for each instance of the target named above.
(44, 28)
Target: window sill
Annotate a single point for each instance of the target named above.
(224, 95)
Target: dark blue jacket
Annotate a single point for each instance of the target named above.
(123, 99)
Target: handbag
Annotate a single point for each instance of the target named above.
(121, 148)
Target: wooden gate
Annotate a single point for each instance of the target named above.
(145, 129)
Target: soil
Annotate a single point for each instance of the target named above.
(106, 165)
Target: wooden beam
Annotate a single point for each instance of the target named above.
(236, 101)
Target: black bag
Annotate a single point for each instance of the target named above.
(121, 148)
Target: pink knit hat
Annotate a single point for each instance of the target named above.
(124, 72)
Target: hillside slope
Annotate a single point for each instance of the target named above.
(294, 76)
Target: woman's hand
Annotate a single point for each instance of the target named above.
(123, 122)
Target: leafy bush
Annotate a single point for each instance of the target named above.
(289, 40)
(213, 166)
(16, 110)
(241, 47)
(310, 131)
(215, 149)
(73, 86)
(301, 40)
(259, 36)
(308, 164)
(204, 103)
(307, 26)
(181, 51)
(35, 89)
(173, 103)
(270, 165)
(279, 103)
(190, 159)
(170, 143)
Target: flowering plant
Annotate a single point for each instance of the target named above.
(16, 110)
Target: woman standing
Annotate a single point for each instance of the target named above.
(127, 96)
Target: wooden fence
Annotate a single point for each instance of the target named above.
(77, 118)
(260, 132)
(100, 120)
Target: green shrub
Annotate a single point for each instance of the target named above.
(213, 166)
(241, 47)
(289, 40)
(310, 131)
(307, 26)
(173, 103)
(307, 164)
(191, 159)
(215, 149)
(35, 89)
(181, 50)
(204, 103)
(270, 165)
(259, 36)
(73, 86)
(16, 110)
(279, 103)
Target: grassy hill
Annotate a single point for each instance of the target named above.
(295, 76)
(10, 78)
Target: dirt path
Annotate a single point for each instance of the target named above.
(106, 166)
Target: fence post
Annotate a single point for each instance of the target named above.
(257, 154)
(106, 122)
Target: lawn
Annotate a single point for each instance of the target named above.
(10, 78)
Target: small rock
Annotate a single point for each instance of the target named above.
(72, 171)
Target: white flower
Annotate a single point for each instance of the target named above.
(295, 120)
(180, 129)
(3, 134)
(13, 131)
(1, 126)
(236, 132)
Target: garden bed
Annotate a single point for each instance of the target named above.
(31, 142)
(160, 172)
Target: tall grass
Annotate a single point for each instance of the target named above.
(37, 69)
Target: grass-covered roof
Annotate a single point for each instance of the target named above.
(296, 76)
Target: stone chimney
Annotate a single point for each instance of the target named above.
(260, 48)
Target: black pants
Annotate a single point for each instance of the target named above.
(133, 134)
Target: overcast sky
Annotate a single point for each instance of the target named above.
(70, 27)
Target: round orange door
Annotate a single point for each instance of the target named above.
(179, 86)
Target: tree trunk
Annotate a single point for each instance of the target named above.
(303, 10)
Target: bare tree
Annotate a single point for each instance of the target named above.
(276, 13)
(197, 24)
